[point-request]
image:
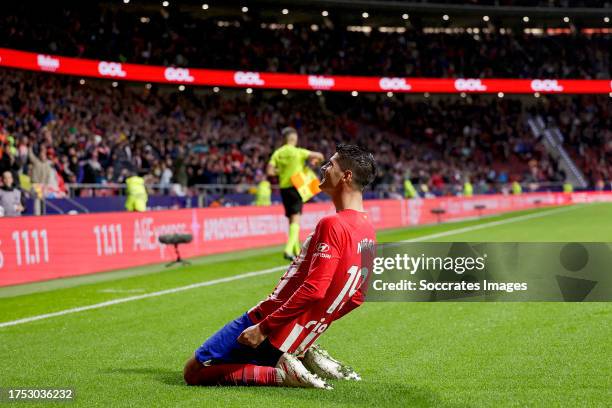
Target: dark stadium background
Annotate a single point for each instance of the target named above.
(98, 131)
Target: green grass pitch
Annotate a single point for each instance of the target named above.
(409, 354)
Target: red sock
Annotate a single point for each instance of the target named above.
(238, 374)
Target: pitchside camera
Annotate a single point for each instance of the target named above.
(176, 240)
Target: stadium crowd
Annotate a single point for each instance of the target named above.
(586, 124)
(55, 130)
(170, 37)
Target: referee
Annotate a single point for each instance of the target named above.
(285, 162)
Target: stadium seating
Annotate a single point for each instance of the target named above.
(95, 131)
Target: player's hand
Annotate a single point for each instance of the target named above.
(251, 336)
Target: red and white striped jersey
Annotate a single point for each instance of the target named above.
(323, 284)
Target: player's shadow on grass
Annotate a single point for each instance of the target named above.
(353, 394)
(164, 375)
(349, 393)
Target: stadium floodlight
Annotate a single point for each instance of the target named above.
(485, 18)
(526, 19)
(566, 19)
(204, 6)
(245, 9)
(165, 3)
(606, 19)
(284, 92)
(324, 13)
(285, 11)
(445, 17)
(365, 14)
(181, 88)
(500, 94)
(216, 89)
(249, 90)
(115, 84)
(82, 81)
(354, 93)
(390, 94)
(405, 16)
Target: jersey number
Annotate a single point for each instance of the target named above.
(350, 286)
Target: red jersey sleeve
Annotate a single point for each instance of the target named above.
(327, 245)
(359, 297)
(353, 303)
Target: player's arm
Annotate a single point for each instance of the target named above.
(315, 286)
(353, 303)
(320, 275)
(359, 297)
(270, 170)
(271, 167)
(315, 157)
(31, 156)
(311, 156)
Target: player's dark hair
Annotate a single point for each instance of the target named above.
(359, 161)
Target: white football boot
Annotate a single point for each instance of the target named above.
(321, 363)
(294, 374)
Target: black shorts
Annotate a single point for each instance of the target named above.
(292, 201)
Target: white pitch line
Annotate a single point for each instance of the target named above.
(490, 224)
(265, 271)
(145, 296)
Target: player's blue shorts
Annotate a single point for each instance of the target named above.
(223, 347)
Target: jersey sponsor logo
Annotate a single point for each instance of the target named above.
(178, 74)
(320, 82)
(315, 329)
(248, 78)
(47, 62)
(546, 85)
(394, 84)
(112, 69)
(323, 247)
(467, 84)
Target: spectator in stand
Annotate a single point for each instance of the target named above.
(42, 167)
(12, 201)
(8, 161)
(226, 137)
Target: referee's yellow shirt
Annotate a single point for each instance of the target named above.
(288, 160)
